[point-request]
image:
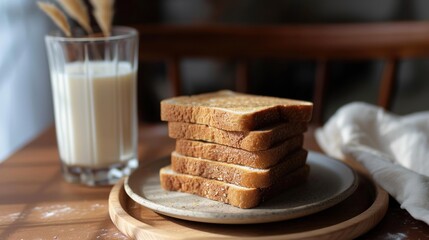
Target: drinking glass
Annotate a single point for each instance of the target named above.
(94, 91)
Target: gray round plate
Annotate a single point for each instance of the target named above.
(329, 183)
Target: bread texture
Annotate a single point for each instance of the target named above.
(234, 195)
(258, 159)
(256, 140)
(233, 111)
(238, 174)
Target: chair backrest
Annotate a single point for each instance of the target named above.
(389, 42)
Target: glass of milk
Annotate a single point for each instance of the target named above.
(94, 90)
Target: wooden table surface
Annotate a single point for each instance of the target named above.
(36, 203)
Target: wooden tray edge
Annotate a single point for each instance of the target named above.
(351, 228)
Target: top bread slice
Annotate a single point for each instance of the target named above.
(233, 111)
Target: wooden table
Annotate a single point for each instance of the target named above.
(36, 203)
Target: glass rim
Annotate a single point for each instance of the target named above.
(126, 32)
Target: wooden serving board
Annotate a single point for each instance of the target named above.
(349, 219)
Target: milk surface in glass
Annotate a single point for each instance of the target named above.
(95, 113)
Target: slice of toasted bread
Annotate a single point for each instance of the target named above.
(234, 195)
(234, 111)
(222, 153)
(251, 141)
(238, 174)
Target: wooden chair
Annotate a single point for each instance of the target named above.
(389, 42)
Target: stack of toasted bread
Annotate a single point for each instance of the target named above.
(235, 148)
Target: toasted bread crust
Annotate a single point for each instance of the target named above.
(234, 111)
(251, 141)
(237, 174)
(259, 159)
(228, 193)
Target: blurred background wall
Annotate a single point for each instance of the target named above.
(25, 90)
(350, 81)
(25, 95)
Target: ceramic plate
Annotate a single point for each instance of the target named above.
(330, 182)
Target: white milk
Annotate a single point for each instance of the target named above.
(95, 113)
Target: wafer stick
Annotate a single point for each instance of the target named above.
(77, 10)
(57, 16)
(103, 13)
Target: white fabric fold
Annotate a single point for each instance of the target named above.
(395, 150)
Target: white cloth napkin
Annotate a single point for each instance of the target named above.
(395, 150)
